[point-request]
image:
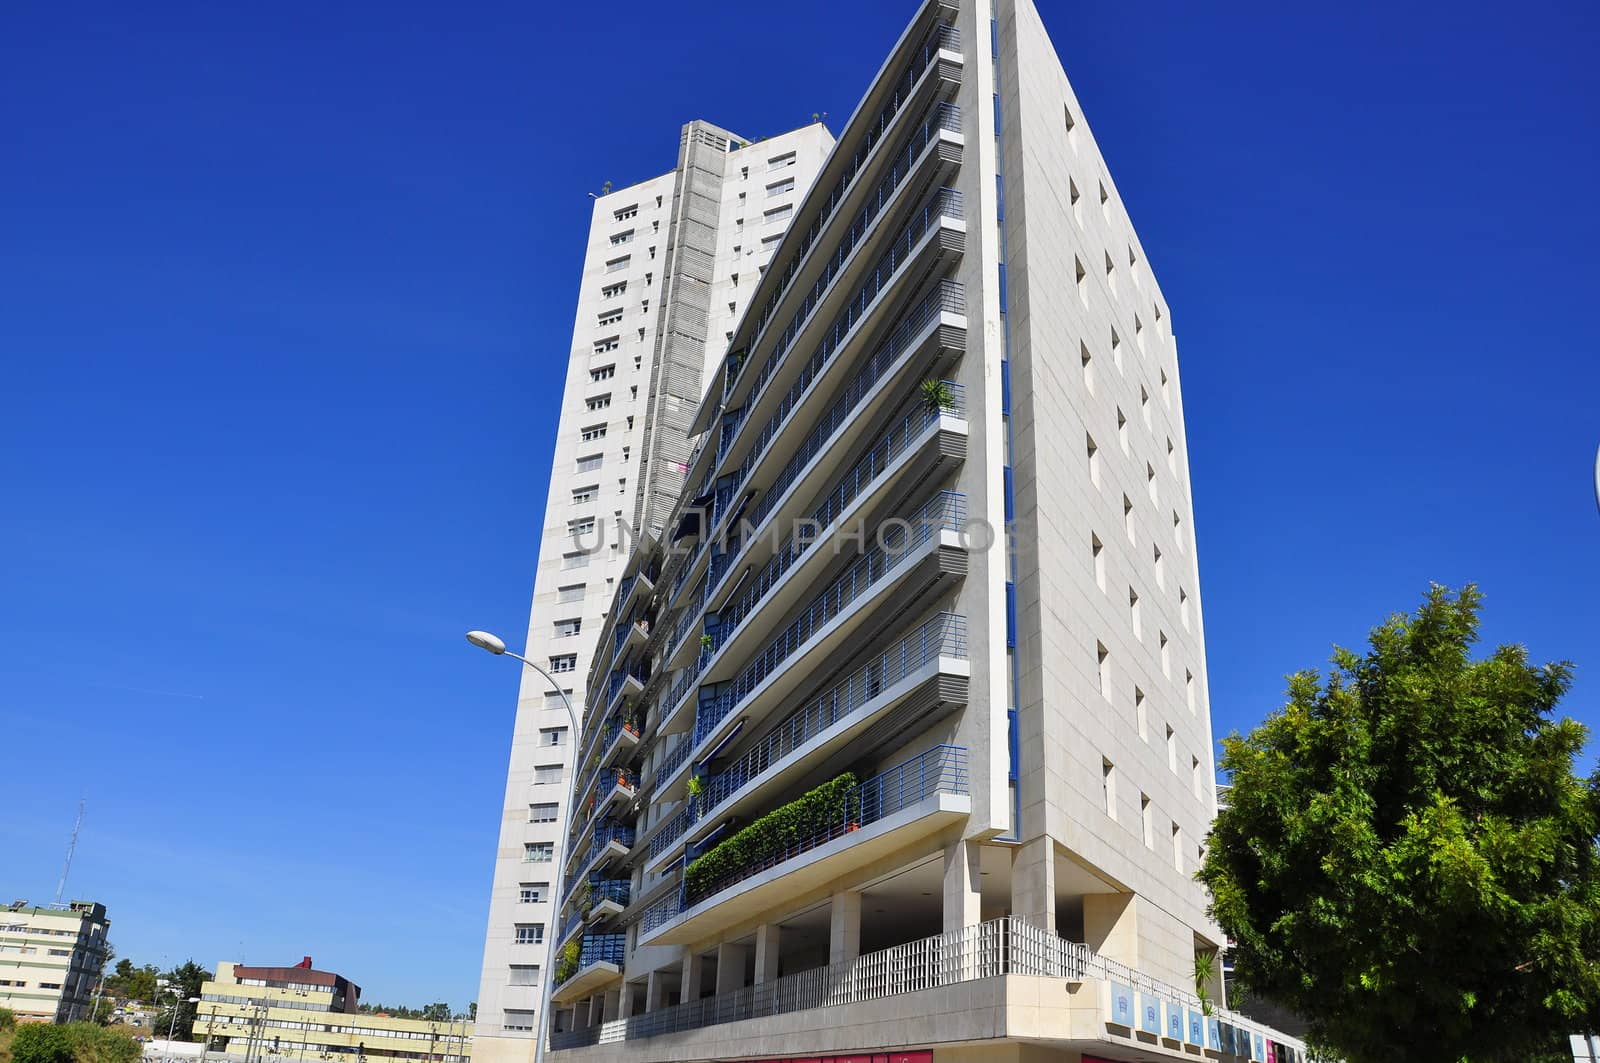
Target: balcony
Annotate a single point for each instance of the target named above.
(1087, 995)
(825, 623)
(918, 437)
(934, 231)
(827, 722)
(933, 65)
(622, 736)
(598, 962)
(887, 812)
(607, 897)
(611, 842)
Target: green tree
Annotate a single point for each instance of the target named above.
(183, 983)
(1407, 859)
(38, 1042)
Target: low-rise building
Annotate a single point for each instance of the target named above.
(51, 958)
(301, 1013)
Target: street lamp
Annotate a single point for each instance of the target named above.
(172, 1027)
(497, 646)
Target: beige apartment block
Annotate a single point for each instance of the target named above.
(51, 959)
(670, 265)
(862, 775)
(284, 1014)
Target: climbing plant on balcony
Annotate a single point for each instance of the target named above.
(567, 962)
(833, 806)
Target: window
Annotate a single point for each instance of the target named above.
(1079, 273)
(1127, 517)
(538, 852)
(1177, 846)
(1188, 688)
(1097, 552)
(565, 629)
(530, 933)
(630, 211)
(1066, 113)
(770, 242)
(589, 462)
(610, 343)
(523, 974)
(1141, 715)
(1122, 429)
(552, 700)
(533, 892)
(575, 559)
(1166, 397)
(617, 265)
(777, 214)
(552, 736)
(1194, 774)
(611, 291)
(1116, 347)
(49, 985)
(1183, 606)
(519, 1020)
(603, 372)
(593, 432)
(1144, 405)
(778, 188)
(624, 237)
(542, 813)
(609, 317)
(1108, 786)
(598, 402)
(1088, 367)
(545, 774)
(584, 494)
(1133, 610)
(572, 592)
(781, 161)
(1147, 818)
(1166, 656)
(1172, 750)
(582, 526)
(1103, 664)
(565, 663)
(1172, 456)
(1161, 568)
(1150, 481)
(1094, 462)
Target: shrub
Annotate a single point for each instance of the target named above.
(567, 962)
(97, 1044)
(8, 1019)
(828, 807)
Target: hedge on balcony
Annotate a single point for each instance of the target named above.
(827, 808)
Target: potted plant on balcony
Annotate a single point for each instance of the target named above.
(705, 641)
(937, 395)
(697, 790)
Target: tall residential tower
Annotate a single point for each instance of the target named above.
(670, 264)
(862, 775)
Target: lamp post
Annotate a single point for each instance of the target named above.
(496, 645)
(172, 1027)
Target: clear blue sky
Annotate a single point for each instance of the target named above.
(285, 296)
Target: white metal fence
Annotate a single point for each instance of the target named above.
(1009, 945)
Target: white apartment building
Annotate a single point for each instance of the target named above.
(669, 266)
(51, 959)
(862, 776)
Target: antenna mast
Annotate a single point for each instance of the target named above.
(72, 844)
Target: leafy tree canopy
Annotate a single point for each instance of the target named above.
(1407, 859)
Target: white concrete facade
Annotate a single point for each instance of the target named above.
(600, 485)
(51, 959)
(861, 773)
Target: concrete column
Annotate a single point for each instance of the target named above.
(610, 1004)
(655, 991)
(693, 966)
(844, 931)
(767, 936)
(625, 1010)
(730, 967)
(1111, 926)
(963, 890)
(1033, 883)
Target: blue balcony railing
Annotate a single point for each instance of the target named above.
(617, 890)
(602, 948)
(945, 511)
